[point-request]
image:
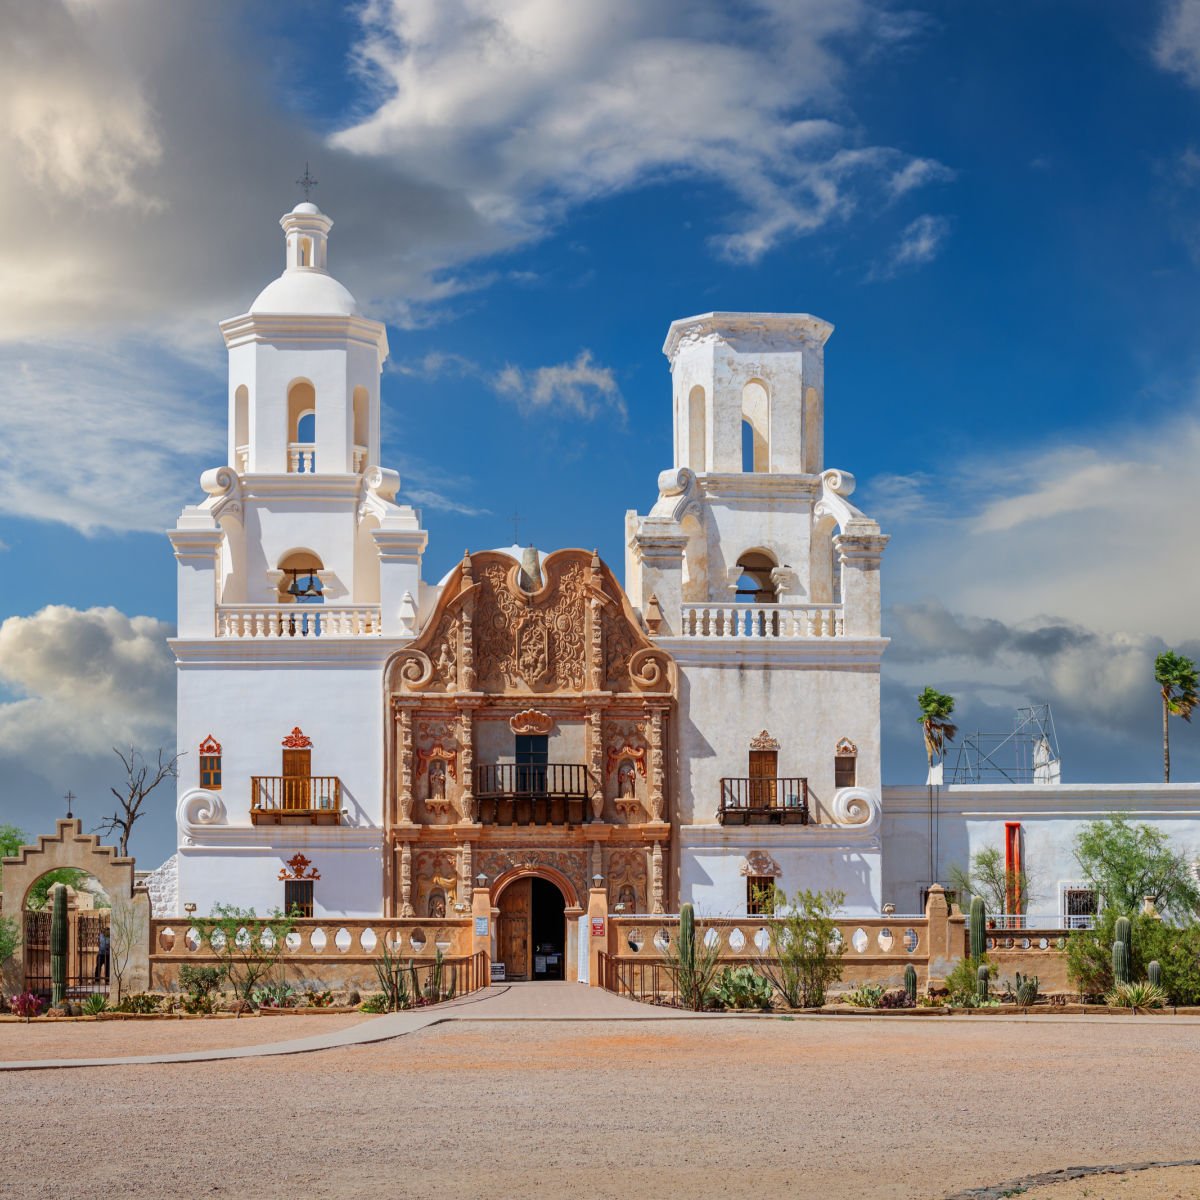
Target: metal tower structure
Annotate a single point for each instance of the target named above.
(1028, 753)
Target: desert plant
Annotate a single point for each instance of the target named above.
(692, 963)
(126, 931)
(983, 977)
(1175, 675)
(897, 998)
(1122, 950)
(139, 1002)
(988, 876)
(805, 951)
(742, 988)
(246, 946)
(25, 1004)
(1138, 996)
(275, 994)
(314, 998)
(910, 982)
(199, 982)
(962, 983)
(978, 927)
(1154, 972)
(94, 1005)
(1026, 991)
(10, 938)
(393, 979)
(140, 780)
(58, 946)
(375, 1003)
(866, 995)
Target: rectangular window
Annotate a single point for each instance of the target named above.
(210, 771)
(1079, 907)
(845, 771)
(298, 894)
(760, 896)
(532, 755)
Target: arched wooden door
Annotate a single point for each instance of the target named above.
(513, 928)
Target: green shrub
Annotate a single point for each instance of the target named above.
(275, 995)
(376, 1003)
(806, 946)
(139, 1002)
(1137, 996)
(95, 1005)
(742, 988)
(1175, 948)
(897, 998)
(963, 982)
(867, 995)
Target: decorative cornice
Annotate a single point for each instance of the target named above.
(845, 748)
(210, 745)
(764, 741)
(304, 329)
(297, 740)
(299, 867)
(778, 332)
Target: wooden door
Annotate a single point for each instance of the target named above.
(297, 772)
(516, 902)
(763, 768)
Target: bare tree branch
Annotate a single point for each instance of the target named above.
(140, 780)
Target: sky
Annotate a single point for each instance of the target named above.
(996, 204)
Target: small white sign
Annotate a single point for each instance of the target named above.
(498, 975)
(481, 926)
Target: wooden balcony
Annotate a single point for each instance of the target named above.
(532, 794)
(764, 801)
(295, 800)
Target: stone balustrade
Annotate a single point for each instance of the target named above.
(786, 621)
(298, 620)
(302, 458)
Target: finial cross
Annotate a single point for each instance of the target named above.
(306, 181)
(516, 520)
(70, 798)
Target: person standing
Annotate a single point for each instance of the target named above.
(102, 956)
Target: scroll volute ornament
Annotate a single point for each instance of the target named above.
(297, 740)
(529, 720)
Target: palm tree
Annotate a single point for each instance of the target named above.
(936, 708)
(1175, 675)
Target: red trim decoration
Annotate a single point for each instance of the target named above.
(210, 745)
(300, 868)
(636, 755)
(297, 740)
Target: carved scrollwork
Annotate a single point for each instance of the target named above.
(856, 806)
(529, 720)
(219, 481)
(650, 670)
(201, 807)
(841, 483)
(414, 670)
(759, 862)
(764, 741)
(384, 483)
(845, 748)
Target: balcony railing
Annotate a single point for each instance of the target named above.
(764, 801)
(532, 794)
(295, 800)
(302, 458)
(297, 620)
(789, 621)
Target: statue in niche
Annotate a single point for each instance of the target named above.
(626, 780)
(437, 779)
(627, 897)
(437, 903)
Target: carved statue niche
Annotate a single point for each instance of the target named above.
(437, 780)
(437, 765)
(627, 880)
(627, 762)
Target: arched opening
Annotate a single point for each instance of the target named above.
(88, 909)
(755, 585)
(302, 426)
(241, 428)
(696, 455)
(362, 431)
(756, 427)
(300, 578)
(695, 561)
(531, 933)
(823, 575)
(814, 434)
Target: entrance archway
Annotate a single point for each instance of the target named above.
(531, 931)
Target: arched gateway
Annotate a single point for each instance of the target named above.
(529, 731)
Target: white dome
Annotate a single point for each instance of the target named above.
(306, 206)
(307, 292)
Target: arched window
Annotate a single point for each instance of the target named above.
(300, 578)
(755, 585)
(362, 428)
(302, 426)
(756, 427)
(697, 457)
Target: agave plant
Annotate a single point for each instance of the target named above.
(1137, 996)
(95, 1004)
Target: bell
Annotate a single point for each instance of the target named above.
(312, 589)
(294, 586)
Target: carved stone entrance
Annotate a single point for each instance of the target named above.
(531, 930)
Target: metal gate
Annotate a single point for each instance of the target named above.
(83, 951)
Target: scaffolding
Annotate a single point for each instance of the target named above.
(1028, 753)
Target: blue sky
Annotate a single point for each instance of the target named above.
(997, 205)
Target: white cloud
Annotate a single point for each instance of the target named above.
(580, 387)
(917, 173)
(1177, 46)
(919, 243)
(84, 681)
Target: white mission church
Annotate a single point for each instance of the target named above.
(363, 742)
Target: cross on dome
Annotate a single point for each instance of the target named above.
(306, 181)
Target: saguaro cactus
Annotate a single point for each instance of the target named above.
(910, 982)
(58, 947)
(1122, 951)
(983, 978)
(687, 937)
(1154, 973)
(978, 923)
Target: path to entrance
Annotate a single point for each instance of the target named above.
(509, 1002)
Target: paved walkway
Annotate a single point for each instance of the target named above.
(506, 1002)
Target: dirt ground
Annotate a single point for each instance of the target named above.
(831, 1109)
(109, 1039)
(1169, 1183)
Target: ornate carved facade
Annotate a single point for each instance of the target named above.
(528, 735)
